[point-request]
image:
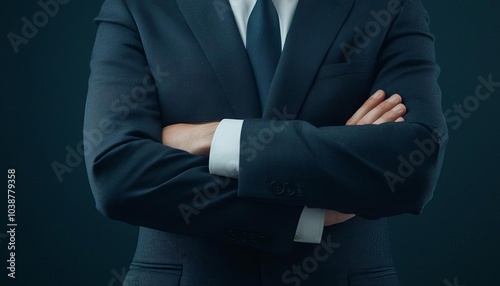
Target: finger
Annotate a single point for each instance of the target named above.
(339, 218)
(392, 115)
(334, 217)
(400, 119)
(380, 110)
(369, 104)
(345, 217)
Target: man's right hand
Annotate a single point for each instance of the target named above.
(375, 110)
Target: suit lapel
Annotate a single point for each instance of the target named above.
(213, 24)
(313, 29)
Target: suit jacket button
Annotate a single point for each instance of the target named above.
(277, 188)
(290, 189)
(298, 192)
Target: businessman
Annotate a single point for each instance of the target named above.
(260, 142)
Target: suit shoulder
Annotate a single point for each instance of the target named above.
(124, 11)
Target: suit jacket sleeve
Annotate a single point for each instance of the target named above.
(371, 170)
(136, 179)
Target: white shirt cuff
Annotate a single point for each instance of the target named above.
(224, 159)
(310, 226)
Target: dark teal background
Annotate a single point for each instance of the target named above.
(63, 240)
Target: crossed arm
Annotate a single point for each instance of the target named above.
(138, 180)
(197, 138)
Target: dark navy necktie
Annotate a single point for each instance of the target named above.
(263, 45)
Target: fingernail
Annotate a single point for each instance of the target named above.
(398, 108)
(377, 94)
(394, 98)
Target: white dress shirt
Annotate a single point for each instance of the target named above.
(225, 148)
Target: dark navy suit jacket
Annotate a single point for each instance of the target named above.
(161, 62)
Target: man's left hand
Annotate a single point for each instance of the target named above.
(193, 138)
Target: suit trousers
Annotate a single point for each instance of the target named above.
(353, 253)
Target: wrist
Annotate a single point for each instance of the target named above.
(205, 134)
